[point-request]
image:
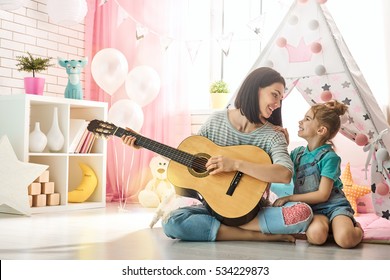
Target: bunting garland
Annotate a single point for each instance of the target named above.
(193, 46)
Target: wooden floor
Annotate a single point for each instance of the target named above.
(112, 233)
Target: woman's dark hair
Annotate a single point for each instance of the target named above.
(247, 99)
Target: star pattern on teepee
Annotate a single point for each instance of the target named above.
(352, 191)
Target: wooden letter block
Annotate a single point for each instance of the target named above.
(47, 187)
(53, 199)
(39, 200)
(34, 188)
(43, 178)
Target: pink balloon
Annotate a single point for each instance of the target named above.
(126, 113)
(109, 69)
(382, 189)
(361, 139)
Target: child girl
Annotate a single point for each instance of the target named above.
(316, 178)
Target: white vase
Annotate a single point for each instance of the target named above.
(37, 139)
(55, 138)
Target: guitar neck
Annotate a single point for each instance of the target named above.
(161, 149)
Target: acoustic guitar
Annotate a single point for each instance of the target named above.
(232, 197)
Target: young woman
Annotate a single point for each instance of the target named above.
(252, 121)
(317, 178)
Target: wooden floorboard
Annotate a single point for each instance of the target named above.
(112, 234)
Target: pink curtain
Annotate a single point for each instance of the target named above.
(166, 118)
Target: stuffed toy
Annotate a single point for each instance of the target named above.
(158, 187)
(73, 69)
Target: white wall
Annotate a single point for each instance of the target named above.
(29, 29)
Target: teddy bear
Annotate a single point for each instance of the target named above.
(158, 187)
(73, 68)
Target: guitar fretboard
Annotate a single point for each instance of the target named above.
(161, 149)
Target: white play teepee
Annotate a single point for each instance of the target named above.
(310, 53)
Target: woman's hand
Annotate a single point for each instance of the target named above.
(284, 131)
(130, 140)
(217, 164)
(281, 201)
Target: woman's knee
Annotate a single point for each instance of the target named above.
(173, 225)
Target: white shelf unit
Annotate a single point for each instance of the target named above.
(18, 114)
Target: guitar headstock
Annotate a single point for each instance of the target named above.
(101, 128)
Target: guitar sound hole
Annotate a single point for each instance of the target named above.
(198, 166)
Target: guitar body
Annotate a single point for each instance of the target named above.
(232, 209)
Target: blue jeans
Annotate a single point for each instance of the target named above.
(195, 223)
(308, 180)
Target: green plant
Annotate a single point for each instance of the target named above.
(31, 64)
(219, 87)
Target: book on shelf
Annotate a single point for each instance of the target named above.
(81, 142)
(76, 131)
(87, 143)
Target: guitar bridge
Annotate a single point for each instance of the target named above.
(234, 183)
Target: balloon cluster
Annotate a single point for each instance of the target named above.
(110, 71)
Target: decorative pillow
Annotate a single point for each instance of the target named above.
(353, 191)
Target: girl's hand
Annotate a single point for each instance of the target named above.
(130, 140)
(217, 164)
(281, 201)
(284, 131)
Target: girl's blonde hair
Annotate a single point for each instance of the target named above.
(328, 114)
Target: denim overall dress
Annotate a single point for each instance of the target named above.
(307, 179)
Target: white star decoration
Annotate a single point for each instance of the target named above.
(15, 177)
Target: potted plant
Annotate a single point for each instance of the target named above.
(33, 85)
(219, 91)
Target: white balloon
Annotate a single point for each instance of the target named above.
(142, 84)
(109, 69)
(126, 113)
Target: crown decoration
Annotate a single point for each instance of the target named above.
(300, 53)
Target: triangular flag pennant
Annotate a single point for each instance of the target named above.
(141, 31)
(225, 42)
(257, 25)
(121, 16)
(193, 48)
(102, 2)
(165, 42)
(309, 51)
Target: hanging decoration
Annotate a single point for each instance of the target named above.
(225, 42)
(102, 2)
(165, 42)
(141, 32)
(68, 13)
(257, 25)
(193, 48)
(10, 5)
(122, 15)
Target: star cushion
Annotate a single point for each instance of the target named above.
(351, 190)
(15, 176)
